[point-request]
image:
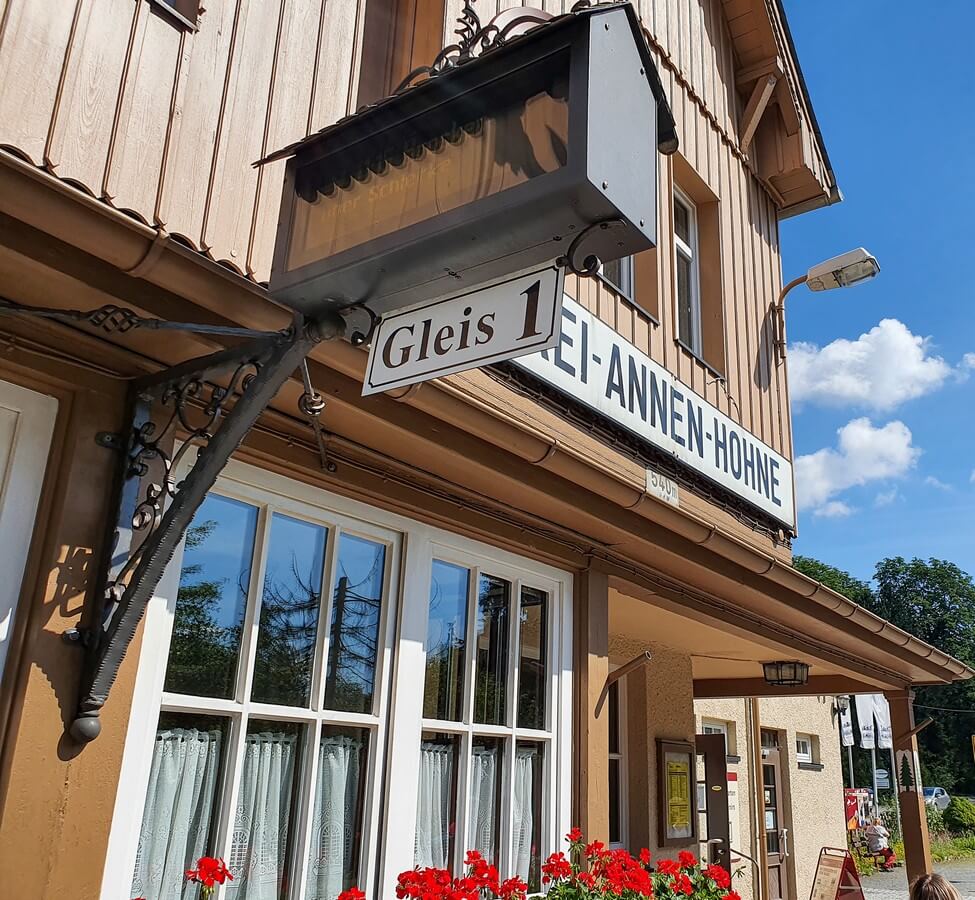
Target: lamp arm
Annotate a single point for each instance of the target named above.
(780, 314)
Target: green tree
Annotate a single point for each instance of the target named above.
(840, 581)
(935, 601)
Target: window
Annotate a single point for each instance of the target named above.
(487, 740)
(619, 274)
(720, 726)
(186, 11)
(804, 748)
(617, 765)
(634, 278)
(272, 702)
(687, 273)
(280, 689)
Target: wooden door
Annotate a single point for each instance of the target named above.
(26, 425)
(776, 833)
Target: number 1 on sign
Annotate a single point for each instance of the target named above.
(531, 311)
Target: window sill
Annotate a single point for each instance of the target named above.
(627, 299)
(699, 358)
(811, 767)
(171, 12)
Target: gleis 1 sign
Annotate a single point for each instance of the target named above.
(497, 321)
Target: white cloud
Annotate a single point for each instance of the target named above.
(885, 498)
(879, 370)
(835, 509)
(863, 453)
(968, 361)
(931, 481)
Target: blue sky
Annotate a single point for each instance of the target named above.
(885, 419)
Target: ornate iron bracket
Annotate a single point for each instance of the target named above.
(215, 399)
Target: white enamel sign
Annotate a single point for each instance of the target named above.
(483, 325)
(594, 365)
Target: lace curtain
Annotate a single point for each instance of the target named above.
(176, 821)
(259, 850)
(523, 812)
(335, 818)
(484, 797)
(434, 805)
(433, 812)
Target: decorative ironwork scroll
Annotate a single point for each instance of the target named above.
(473, 40)
(212, 401)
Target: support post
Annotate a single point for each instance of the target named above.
(910, 794)
(590, 800)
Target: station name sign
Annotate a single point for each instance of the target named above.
(595, 366)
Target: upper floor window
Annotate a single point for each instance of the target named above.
(688, 273)
(187, 11)
(619, 274)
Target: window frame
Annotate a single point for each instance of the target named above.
(693, 343)
(620, 687)
(627, 279)
(185, 12)
(389, 792)
(801, 756)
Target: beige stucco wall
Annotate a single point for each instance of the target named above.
(659, 704)
(813, 800)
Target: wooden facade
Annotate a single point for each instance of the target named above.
(127, 141)
(120, 99)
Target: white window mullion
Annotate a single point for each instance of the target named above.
(305, 812)
(230, 787)
(252, 615)
(406, 721)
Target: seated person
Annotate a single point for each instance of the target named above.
(878, 842)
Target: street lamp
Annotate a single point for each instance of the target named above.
(844, 270)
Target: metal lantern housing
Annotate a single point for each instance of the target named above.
(498, 162)
(786, 673)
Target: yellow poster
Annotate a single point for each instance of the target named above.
(678, 795)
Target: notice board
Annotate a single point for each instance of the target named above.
(836, 877)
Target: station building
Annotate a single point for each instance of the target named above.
(402, 642)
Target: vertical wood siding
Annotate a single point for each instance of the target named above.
(116, 97)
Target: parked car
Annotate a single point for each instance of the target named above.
(937, 797)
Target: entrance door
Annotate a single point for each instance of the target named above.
(776, 834)
(26, 425)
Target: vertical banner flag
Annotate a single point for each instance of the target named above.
(846, 728)
(881, 712)
(864, 704)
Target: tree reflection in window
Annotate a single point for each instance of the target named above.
(443, 689)
(290, 607)
(212, 599)
(354, 634)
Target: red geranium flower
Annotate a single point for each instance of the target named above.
(719, 875)
(645, 856)
(209, 872)
(682, 884)
(686, 860)
(574, 836)
(668, 867)
(353, 893)
(731, 895)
